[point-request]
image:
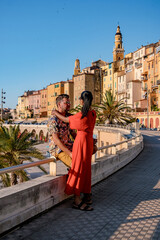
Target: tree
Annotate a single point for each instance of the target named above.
(113, 111)
(15, 147)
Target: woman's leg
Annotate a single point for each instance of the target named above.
(80, 204)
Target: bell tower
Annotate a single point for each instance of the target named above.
(77, 69)
(118, 51)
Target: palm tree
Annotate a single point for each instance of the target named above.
(15, 147)
(113, 111)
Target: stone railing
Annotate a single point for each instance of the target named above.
(24, 201)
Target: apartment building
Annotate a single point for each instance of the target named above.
(89, 79)
(53, 90)
(21, 107)
(43, 102)
(135, 76)
(69, 89)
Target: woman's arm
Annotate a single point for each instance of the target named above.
(60, 116)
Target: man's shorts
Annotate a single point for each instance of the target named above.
(65, 158)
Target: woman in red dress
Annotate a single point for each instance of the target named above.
(79, 179)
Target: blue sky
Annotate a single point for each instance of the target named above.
(40, 39)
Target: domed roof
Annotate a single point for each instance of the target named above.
(118, 31)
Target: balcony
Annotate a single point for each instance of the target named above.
(121, 91)
(138, 65)
(154, 86)
(143, 78)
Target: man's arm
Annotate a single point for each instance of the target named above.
(58, 142)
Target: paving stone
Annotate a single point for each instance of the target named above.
(126, 206)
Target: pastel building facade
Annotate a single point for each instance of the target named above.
(135, 77)
(53, 90)
(43, 102)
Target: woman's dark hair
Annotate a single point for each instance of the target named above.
(87, 98)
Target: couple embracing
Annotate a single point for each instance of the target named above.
(77, 156)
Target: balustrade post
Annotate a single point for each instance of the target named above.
(98, 143)
(119, 140)
(114, 150)
(133, 142)
(52, 168)
(126, 145)
(93, 158)
(138, 138)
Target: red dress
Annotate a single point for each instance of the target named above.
(79, 179)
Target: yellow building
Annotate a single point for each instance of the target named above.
(151, 75)
(21, 106)
(108, 77)
(157, 70)
(111, 71)
(53, 90)
(43, 102)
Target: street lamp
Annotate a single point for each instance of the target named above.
(148, 91)
(2, 102)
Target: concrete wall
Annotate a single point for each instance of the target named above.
(23, 201)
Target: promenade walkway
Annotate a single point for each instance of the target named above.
(126, 206)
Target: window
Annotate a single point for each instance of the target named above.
(152, 64)
(148, 65)
(110, 65)
(62, 85)
(57, 85)
(110, 72)
(118, 45)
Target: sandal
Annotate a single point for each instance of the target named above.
(79, 206)
(87, 198)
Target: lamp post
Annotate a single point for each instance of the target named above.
(148, 109)
(2, 102)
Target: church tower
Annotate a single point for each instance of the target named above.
(118, 51)
(77, 69)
